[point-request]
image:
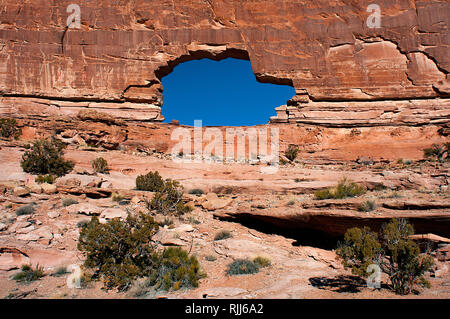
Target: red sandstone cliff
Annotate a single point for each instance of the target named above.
(344, 72)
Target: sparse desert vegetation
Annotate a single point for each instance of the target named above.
(216, 149)
(27, 274)
(393, 252)
(168, 199)
(69, 201)
(345, 188)
(242, 267)
(49, 179)
(46, 157)
(223, 234)
(151, 182)
(367, 206)
(121, 251)
(9, 129)
(100, 165)
(25, 210)
(292, 152)
(196, 191)
(144, 236)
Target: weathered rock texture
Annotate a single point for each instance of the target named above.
(344, 73)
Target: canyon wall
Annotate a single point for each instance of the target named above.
(346, 69)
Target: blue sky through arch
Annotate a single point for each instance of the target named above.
(220, 93)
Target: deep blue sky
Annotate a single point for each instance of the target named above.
(220, 93)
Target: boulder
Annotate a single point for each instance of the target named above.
(69, 182)
(53, 214)
(21, 191)
(106, 185)
(28, 237)
(182, 228)
(44, 233)
(222, 292)
(111, 213)
(12, 258)
(19, 225)
(167, 238)
(213, 202)
(25, 230)
(364, 160)
(49, 188)
(84, 209)
(34, 187)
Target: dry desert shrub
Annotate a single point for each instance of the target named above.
(100, 165)
(344, 189)
(45, 156)
(8, 128)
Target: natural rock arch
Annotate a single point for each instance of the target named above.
(215, 53)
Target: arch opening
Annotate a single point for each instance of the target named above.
(221, 89)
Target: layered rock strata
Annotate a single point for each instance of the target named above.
(346, 70)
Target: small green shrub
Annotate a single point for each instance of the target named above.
(151, 182)
(124, 202)
(283, 161)
(115, 197)
(291, 153)
(100, 165)
(46, 157)
(402, 161)
(175, 269)
(262, 262)
(196, 191)
(223, 234)
(344, 189)
(60, 271)
(379, 187)
(8, 128)
(49, 179)
(394, 252)
(169, 199)
(242, 267)
(323, 194)
(27, 274)
(192, 220)
(119, 251)
(82, 223)
(367, 206)
(290, 202)
(166, 222)
(69, 201)
(210, 258)
(25, 210)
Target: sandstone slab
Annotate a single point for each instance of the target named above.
(49, 188)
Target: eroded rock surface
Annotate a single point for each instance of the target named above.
(345, 73)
